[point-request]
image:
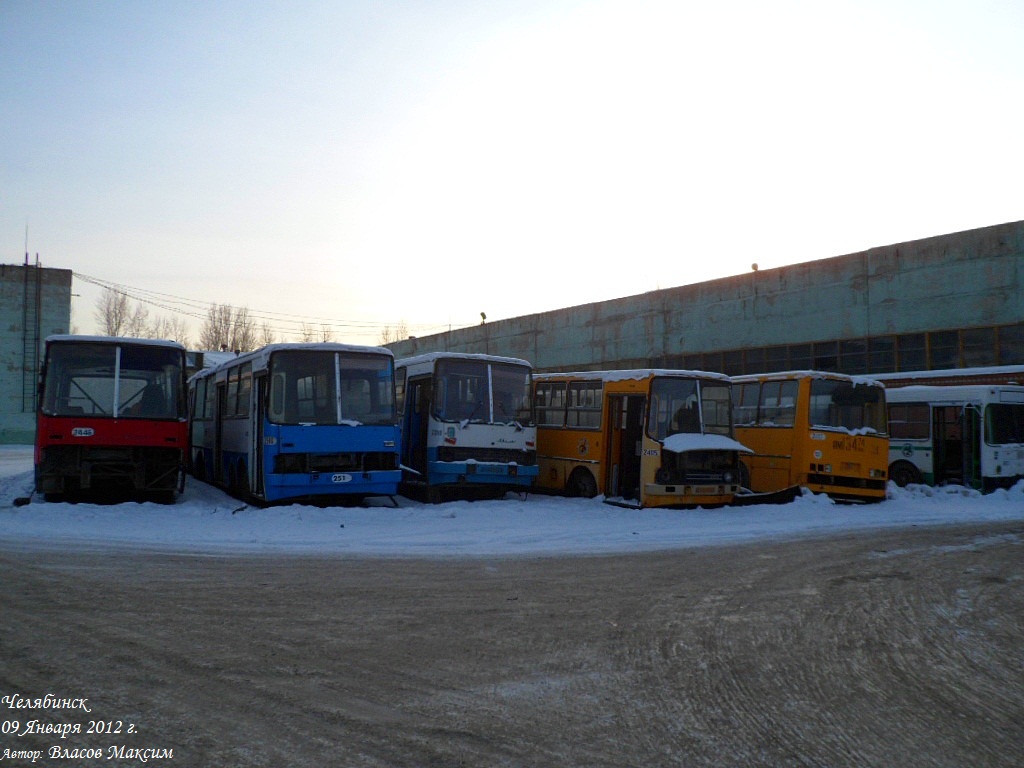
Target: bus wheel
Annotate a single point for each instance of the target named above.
(903, 473)
(581, 483)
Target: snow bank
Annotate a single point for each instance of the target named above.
(206, 520)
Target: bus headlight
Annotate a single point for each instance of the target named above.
(728, 478)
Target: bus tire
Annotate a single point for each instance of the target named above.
(903, 473)
(581, 484)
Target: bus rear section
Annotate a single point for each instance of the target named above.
(298, 422)
(822, 431)
(970, 435)
(111, 418)
(467, 425)
(641, 438)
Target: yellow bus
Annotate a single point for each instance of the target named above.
(826, 432)
(642, 438)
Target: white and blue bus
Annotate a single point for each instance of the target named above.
(467, 424)
(297, 422)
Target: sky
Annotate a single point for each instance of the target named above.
(206, 520)
(370, 166)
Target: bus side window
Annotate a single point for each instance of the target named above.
(909, 421)
(745, 411)
(778, 403)
(550, 404)
(400, 390)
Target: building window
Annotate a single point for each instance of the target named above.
(1011, 345)
(826, 356)
(800, 357)
(733, 361)
(711, 361)
(853, 357)
(882, 354)
(753, 360)
(943, 350)
(776, 359)
(910, 352)
(979, 347)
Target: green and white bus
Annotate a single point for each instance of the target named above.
(971, 435)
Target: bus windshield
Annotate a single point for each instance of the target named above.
(1004, 424)
(304, 388)
(114, 380)
(688, 405)
(465, 392)
(847, 405)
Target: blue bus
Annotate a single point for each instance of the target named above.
(297, 422)
(467, 424)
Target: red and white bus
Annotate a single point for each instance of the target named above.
(112, 417)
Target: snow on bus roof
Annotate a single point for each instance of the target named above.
(427, 357)
(69, 337)
(630, 373)
(950, 393)
(992, 370)
(871, 381)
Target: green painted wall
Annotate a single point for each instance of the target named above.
(960, 280)
(18, 423)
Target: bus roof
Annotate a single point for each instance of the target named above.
(631, 373)
(261, 357)
(955, 393)
(428, 357)
(808, 374)
(63, 338)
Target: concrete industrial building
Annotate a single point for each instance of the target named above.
(951, 301)
(35, 302)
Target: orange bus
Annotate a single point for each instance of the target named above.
(826, 432)
(642, 438)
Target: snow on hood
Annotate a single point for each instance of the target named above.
(681, 442)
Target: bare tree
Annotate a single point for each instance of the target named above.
(307, 333)
(137, 323)
(398, 333)
(174, 329)
(227, 326)
(243, 331)
(112, 312)
(266, 334)
(216, 330)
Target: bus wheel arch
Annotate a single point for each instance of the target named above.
(581, 483)
(743, 472)
(904, 473)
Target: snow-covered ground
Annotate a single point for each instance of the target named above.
(205, 520)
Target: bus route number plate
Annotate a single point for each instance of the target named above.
(339, 477)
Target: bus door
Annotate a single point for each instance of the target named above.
(970, 420)
(948, 437)
(625, 445)
(257, 415)
(416, 423)
(218, 432)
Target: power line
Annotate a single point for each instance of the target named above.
(278, 322)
